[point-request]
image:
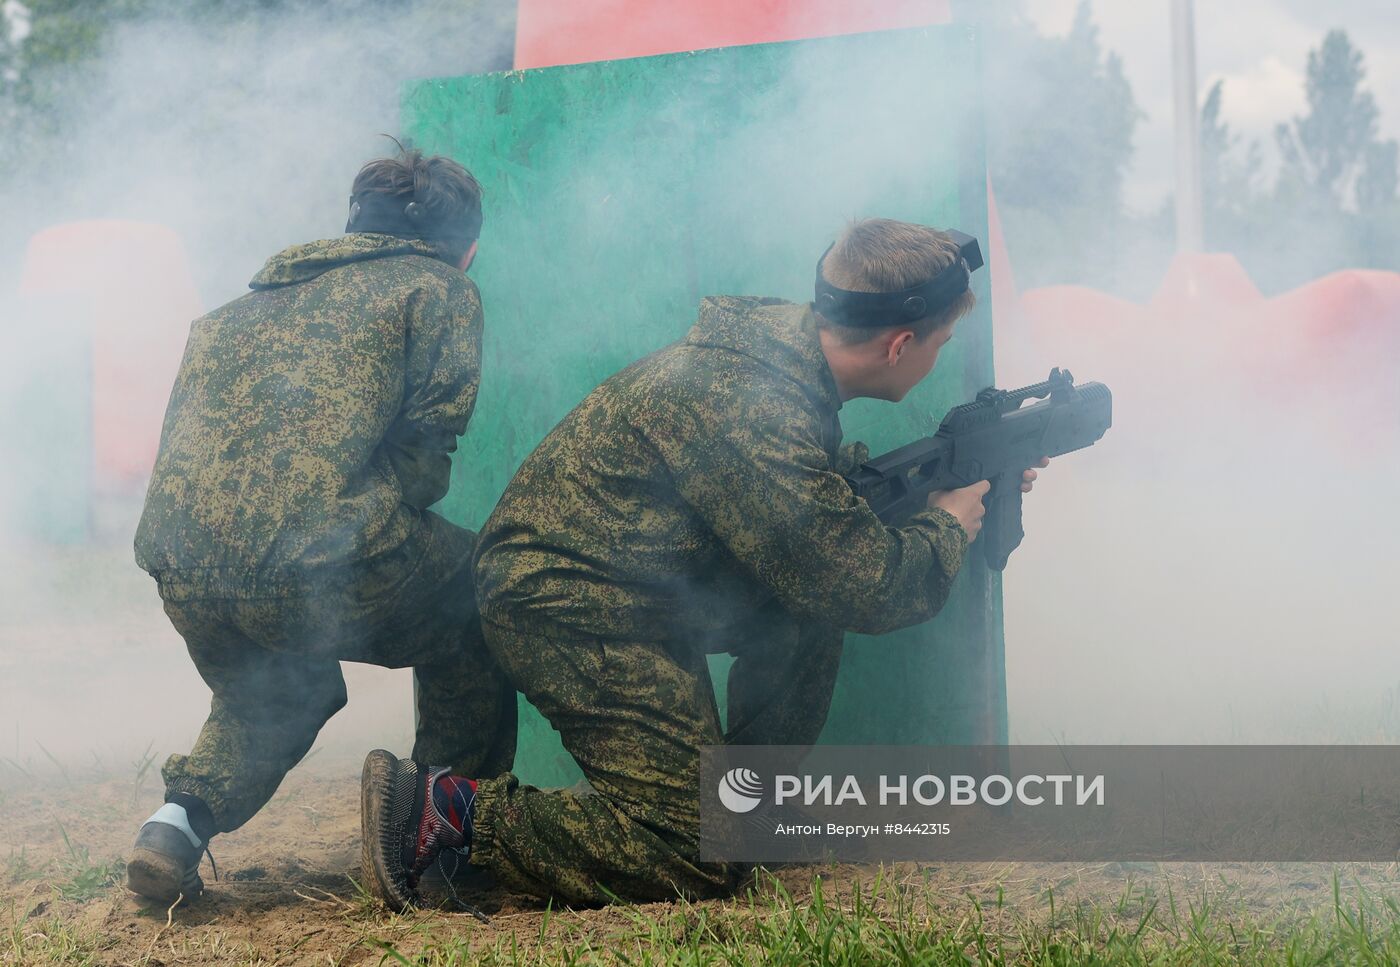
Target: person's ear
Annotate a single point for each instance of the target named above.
(467, 258)
(897, 345)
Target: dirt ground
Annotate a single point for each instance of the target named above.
(287, 892)
(91, 675)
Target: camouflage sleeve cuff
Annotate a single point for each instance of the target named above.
(947, 536)
(850, 457)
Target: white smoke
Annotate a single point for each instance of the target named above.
(242, 134)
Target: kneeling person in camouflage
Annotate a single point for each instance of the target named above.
(693, 503)
(286, 522)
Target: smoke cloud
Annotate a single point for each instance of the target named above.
(1219, 567)
(1216, 569)
(241, 136)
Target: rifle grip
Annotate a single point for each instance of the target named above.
(1001, 524)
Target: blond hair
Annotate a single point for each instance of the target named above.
(883, 255)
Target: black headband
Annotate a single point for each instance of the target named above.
(877, 310)
(374, 211)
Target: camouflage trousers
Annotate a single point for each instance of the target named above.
(273, 665)
(634, 714)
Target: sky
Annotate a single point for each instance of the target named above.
(1260, 49)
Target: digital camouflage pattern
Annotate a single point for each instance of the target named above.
(692, 503)
(634, 714)
(273, 665)
(309, 429)
(312, 419)
(696, 484)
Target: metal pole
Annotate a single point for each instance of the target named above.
(1189, 231)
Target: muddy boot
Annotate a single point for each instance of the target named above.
(164, 864)
(409, 814)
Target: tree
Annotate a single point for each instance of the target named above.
(1326, 151)
(44, 42)
(47, 68)
(1231, 197)
(1380, 173)
(1229, 185)
(1337, 182)
(13, 26)
(1061, 117)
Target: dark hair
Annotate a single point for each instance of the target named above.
(449, 193)
(883, 255)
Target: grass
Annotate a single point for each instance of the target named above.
(890, 923)
(143, 768)
(48, 941)
(987, 916)
(19, 868)
(82, 879)
(896, 917)
(12, 764)
(77, 877)
(62, 769)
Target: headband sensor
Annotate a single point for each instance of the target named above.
(374, 211)
(879, 310)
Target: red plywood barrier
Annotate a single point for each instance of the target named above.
(132, 281)
(549, 32)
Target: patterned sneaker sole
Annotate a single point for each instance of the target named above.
(389, 787)
(159, 877)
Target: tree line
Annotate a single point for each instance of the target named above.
(1061, 119)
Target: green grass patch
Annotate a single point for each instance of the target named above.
(893, 922)
(80, 878)
(48, 941)
(20, 868)
(142, 767)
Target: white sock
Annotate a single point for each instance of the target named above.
(173, 814)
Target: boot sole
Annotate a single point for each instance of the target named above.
(155, 876)
(386, 800)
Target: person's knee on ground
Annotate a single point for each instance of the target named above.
(412, 814)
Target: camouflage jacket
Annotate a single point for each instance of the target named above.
(312, 419)
(698, 485)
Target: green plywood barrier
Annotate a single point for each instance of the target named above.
(619, 193)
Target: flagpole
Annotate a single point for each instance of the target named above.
(1189, 230)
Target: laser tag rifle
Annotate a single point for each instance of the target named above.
(993, 438)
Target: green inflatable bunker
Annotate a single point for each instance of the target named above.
(617, 194)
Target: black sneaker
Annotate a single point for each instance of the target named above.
(401, 830)
(164, 864)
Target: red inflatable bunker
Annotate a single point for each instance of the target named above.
(131, 282)
(1325, 351)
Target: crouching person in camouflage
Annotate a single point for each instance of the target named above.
(286, 523)
(692, 503)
